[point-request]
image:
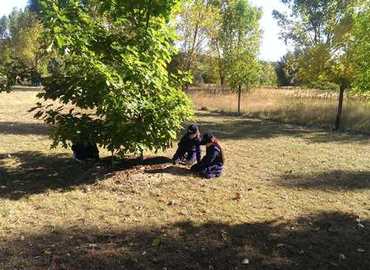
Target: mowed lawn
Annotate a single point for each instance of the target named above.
(290, 198)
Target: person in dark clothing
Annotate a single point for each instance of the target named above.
(212, 163)
(189, 147)
(85, 150)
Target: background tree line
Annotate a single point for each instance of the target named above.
(21, 52)
(329, 40)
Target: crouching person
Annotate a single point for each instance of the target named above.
(189, 147)
(213, 162)
(85, 151)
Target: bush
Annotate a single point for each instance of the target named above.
(113, 84)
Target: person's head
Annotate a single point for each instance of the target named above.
(193, 131)
(208, 139)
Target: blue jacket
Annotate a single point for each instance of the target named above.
(212, 157)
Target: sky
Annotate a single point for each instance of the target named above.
(272, 48)
(6, 6)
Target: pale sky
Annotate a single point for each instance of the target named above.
(6, 6)
(272, 48)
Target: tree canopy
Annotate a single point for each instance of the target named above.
(361, 48)
(21, 52)
(112, 86)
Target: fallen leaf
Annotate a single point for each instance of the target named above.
(237, 196)
(170, 203)
(245, 261)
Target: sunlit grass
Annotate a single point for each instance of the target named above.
(304, 107)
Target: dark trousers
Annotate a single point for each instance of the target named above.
(210, 171)
(183, 154)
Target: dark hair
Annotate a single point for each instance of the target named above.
(193, 129)
(207, 138)
(210, 138)
(215, 142)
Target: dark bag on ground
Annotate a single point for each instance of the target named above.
(84, 151)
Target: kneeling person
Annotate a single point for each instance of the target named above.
(189, 147)
(212, 163)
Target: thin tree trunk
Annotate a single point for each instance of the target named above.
(239, 97)
(141, 156)
(222, 81)
(220, 68)
(112, 159)
(340, 108)
(190, 59)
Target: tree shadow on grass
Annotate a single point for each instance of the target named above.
(327, 240)
(234, 127)
(332, 180)
(21, 128)
(26, 173)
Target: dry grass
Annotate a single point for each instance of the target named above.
(299, 106)
(290, 198)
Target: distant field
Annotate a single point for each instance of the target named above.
(290, 198)
(299, 106)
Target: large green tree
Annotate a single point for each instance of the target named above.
(320, 31)
(113, 87)
(21, 51)
(268, 74)
(361, 48)
(194, 21)
(25, 32)
(240, 42)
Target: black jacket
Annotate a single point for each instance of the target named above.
(213, 156)
(190, 145)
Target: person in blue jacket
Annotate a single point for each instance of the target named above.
(212, 163)
(189, 147)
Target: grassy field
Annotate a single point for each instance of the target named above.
(290, 198)
(306, 107)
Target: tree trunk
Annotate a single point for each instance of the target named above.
(239, 97)
(220, 64)
(112, 159)
(141, 158)
(222, 81)
(340, 107)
